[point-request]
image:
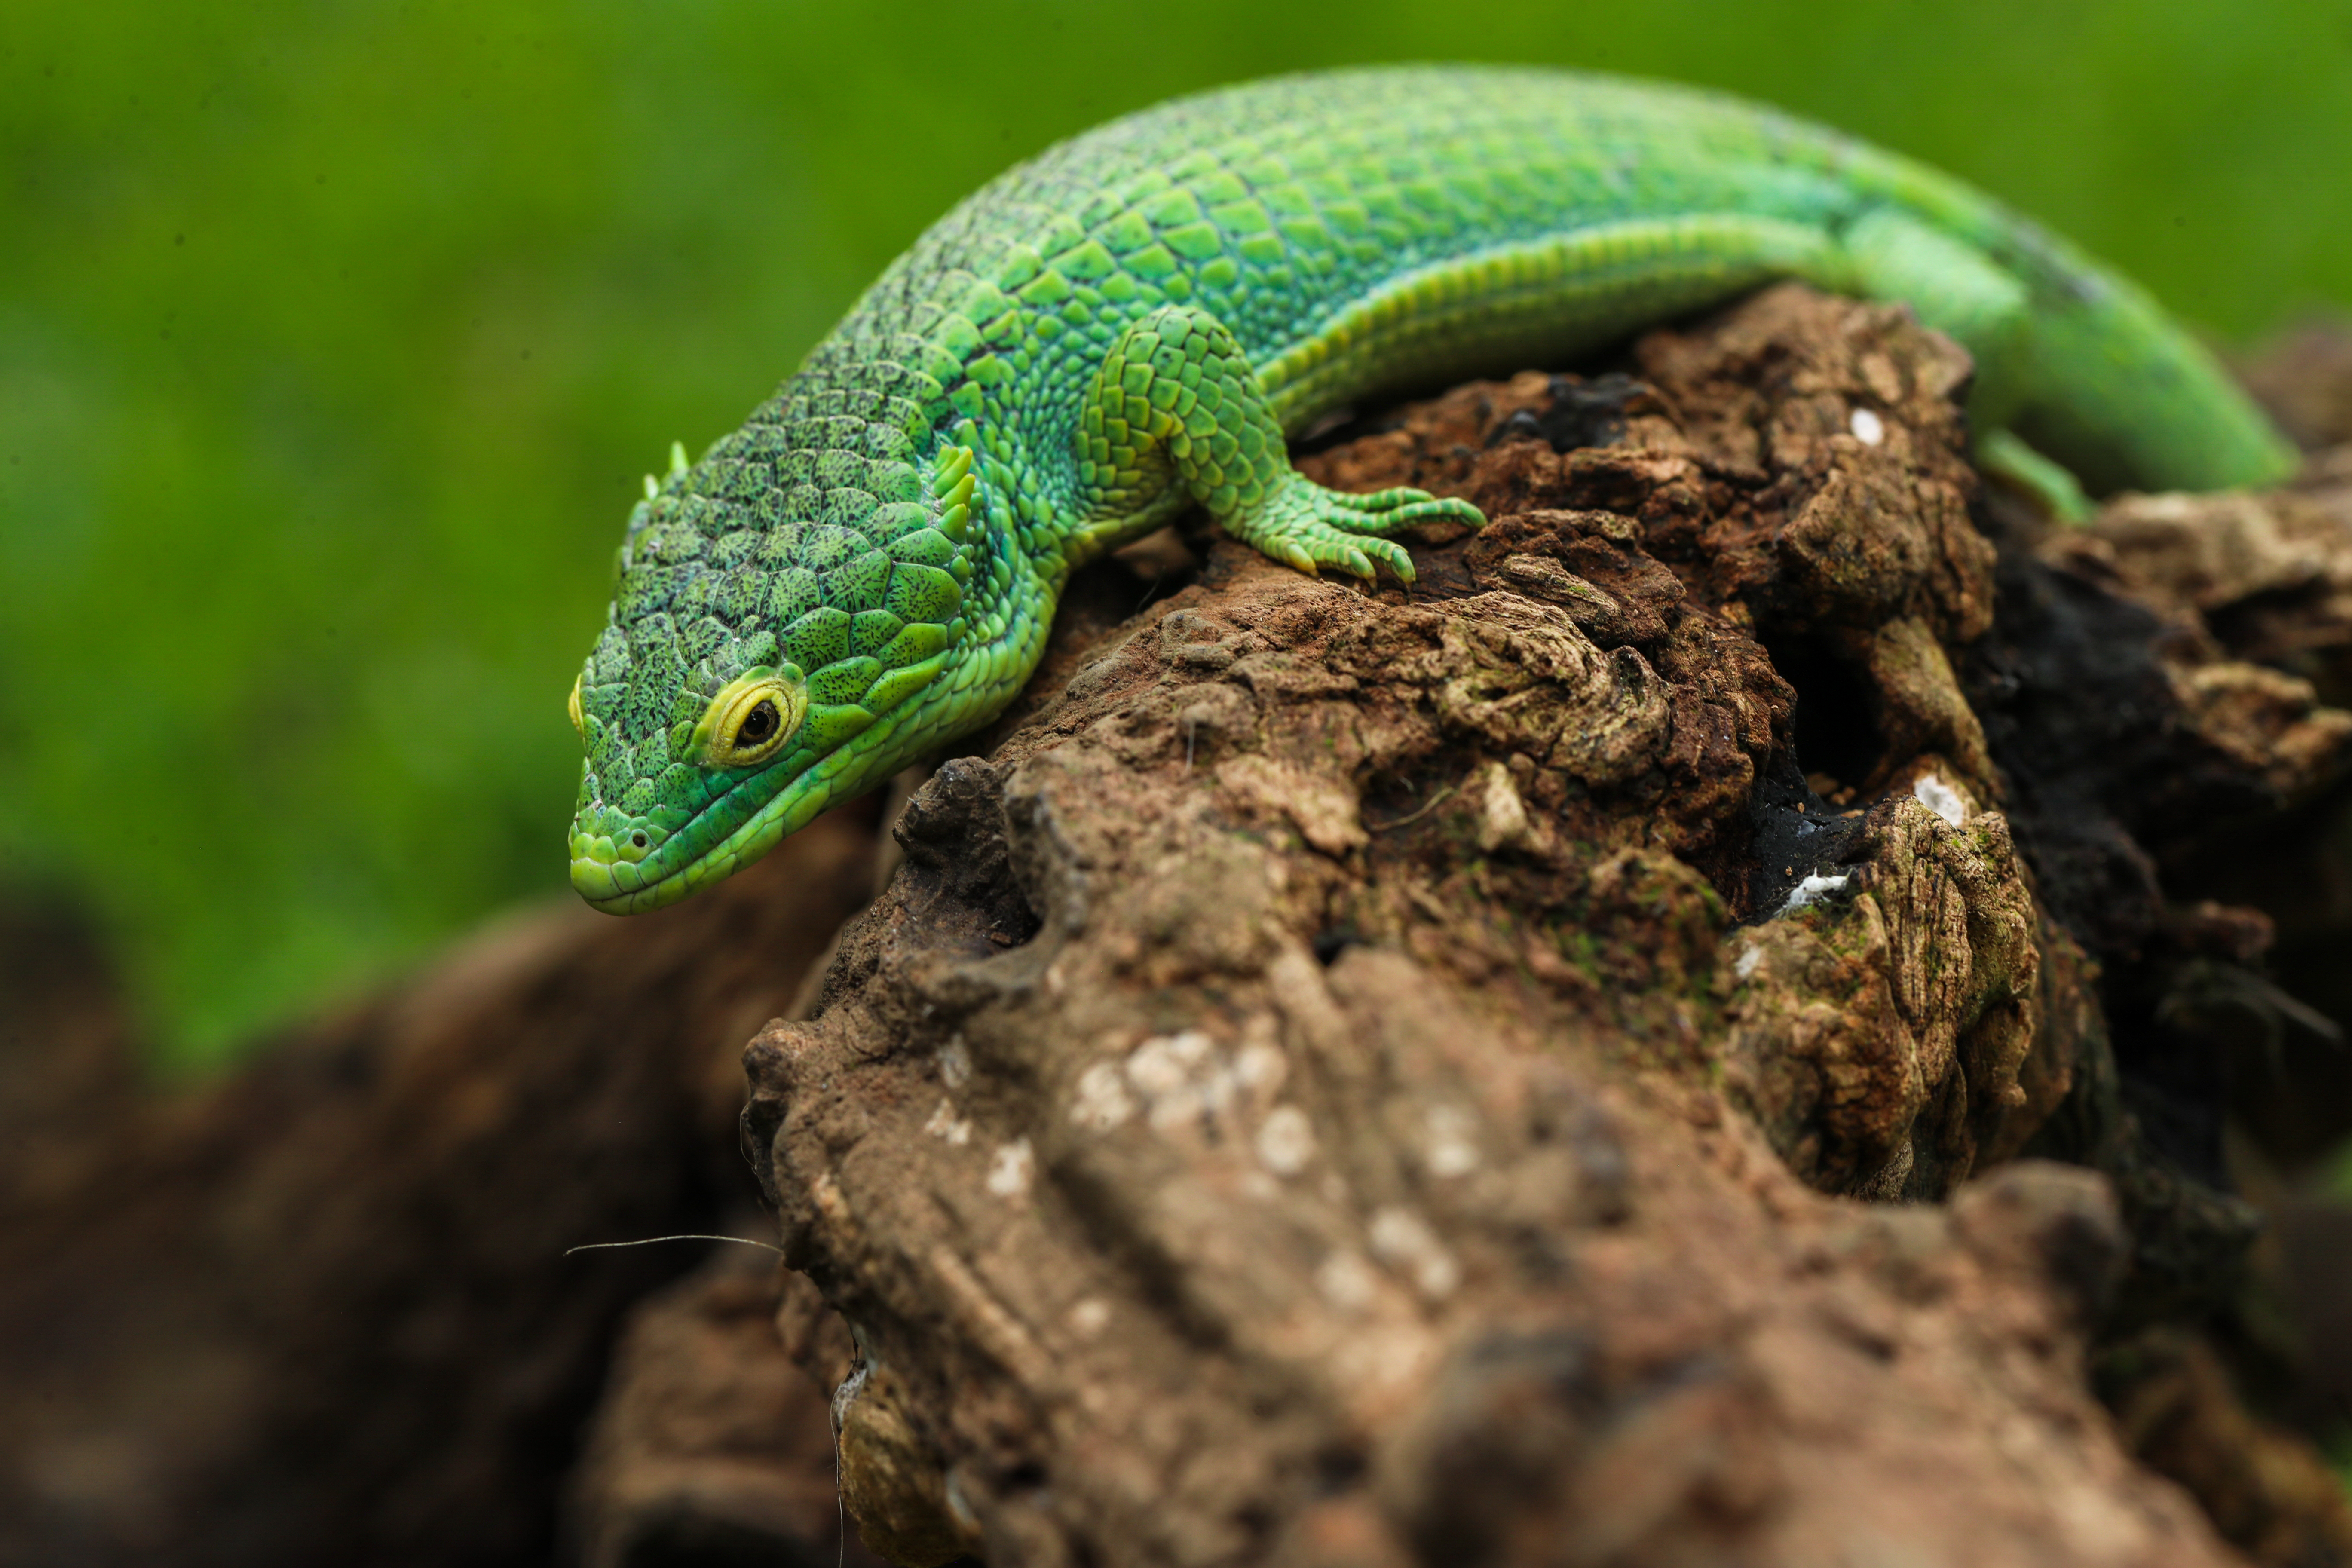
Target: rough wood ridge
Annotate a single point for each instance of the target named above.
(1359, 1078)
(1699, 1036)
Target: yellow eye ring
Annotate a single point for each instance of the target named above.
(579, 719)
(749, 720)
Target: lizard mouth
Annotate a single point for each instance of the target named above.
(619, 887)
(619, 884)
(747, 821)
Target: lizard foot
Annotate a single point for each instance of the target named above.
(1303, 525)
(2004, 459)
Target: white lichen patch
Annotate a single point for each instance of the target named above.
(946, 1125)
(1186, 1085)
(1868, 429)
(1179, 1079)
(1089, 1316)
(1165, 1064)
(1347, 1281)
(1102, 1102)
(1011, 1169)
(1261, 1067)
(826, 1191)
(1812, 890)
(1402, 1240)
(1451, 1145)
(1940, 798)
(1502, 815)
(1285, 1140)
(955, 1062)
(1750, 958)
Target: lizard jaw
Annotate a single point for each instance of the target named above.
(624, 888)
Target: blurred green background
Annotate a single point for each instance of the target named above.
(333, 338)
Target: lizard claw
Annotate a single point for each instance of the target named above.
(1307, 526)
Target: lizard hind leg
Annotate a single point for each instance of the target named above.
(1954, 288)
(2005, 459)
(1176, 408)
(1958, 290)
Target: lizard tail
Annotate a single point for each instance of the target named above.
(2079, 362)
(2129, 400)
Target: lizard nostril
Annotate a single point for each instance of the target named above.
(639, 841)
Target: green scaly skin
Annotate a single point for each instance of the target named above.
(1130, 324)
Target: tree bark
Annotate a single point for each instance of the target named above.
(1366, 1077)
(1698, 1033)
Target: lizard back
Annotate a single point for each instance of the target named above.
(883, 541)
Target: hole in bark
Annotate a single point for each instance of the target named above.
(1797, 833)
(685, 1539)
(1338, 1470)
(2293, 1089)
(1582, 414)
(1836, 723)
(1331, 943)
(953, 833)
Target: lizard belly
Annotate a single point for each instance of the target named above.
(1537, 300)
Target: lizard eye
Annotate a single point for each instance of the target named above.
(757, 726)
(750, 722)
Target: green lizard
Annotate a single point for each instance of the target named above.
(1130, 324)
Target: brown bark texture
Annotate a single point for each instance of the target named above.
(1381, 1077)
(1752, 1014)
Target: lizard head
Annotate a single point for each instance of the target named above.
(778, 614)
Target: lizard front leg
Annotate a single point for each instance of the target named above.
(1175, 413)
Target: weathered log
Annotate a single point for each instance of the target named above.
(1364, 1076)
(1561, 1065)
